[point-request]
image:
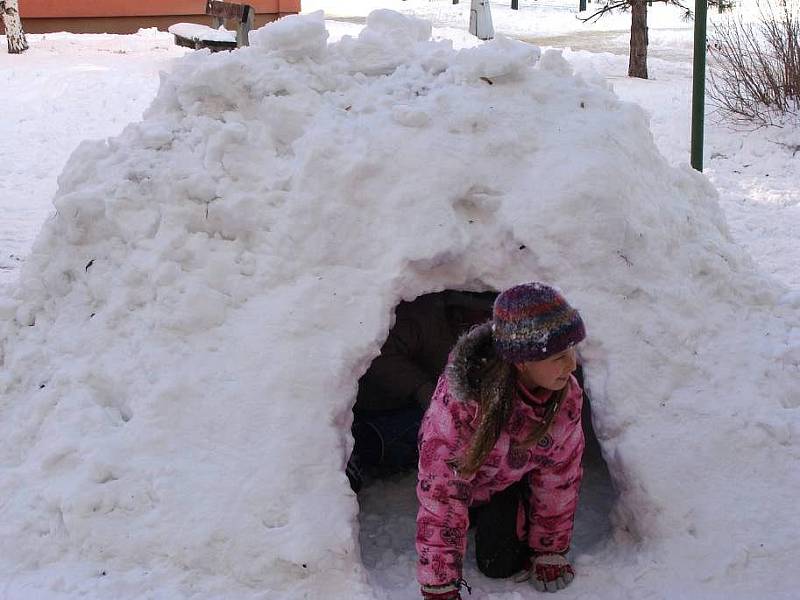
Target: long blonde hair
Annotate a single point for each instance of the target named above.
(495, 381)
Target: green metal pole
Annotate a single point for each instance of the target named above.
(699, 83)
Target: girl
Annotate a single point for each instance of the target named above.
(501, 446)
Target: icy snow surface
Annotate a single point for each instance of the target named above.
(181, 353)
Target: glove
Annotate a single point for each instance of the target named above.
(448, 591)
(551, 572)
(547, 572)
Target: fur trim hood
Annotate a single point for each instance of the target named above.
(475, 370)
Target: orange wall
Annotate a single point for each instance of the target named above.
(33, 9)
(128, 16)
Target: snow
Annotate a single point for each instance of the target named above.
(294, 39)
(63, 90)
(181, 350)
(534, 17)
(193, 31)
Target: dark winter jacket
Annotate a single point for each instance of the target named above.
(412, 358)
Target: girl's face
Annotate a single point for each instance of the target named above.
(552, 373)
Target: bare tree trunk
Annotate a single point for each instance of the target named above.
(9, 11)
(637, 65)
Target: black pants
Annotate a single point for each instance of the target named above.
(498, 550)
(387, 438)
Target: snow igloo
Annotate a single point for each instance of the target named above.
(181, 354)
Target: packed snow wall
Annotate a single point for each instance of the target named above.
(181, 354)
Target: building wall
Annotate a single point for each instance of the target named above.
(127, 16)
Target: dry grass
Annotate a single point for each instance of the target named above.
(756, 75)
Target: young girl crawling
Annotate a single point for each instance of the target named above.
(501, 447)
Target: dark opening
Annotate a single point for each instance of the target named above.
(386, 419)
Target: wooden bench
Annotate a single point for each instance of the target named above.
(215, 39)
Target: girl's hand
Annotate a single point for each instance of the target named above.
(551, 572)
(448, 591)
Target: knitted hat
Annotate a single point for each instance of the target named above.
(532, 321)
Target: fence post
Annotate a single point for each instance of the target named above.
(699, 83)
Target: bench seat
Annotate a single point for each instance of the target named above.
(216, 38)
(196, 36)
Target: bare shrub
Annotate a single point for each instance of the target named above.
(755, 77)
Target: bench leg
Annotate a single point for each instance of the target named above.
(243, 31)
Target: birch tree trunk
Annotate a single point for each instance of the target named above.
(637, 65)
(9, 11)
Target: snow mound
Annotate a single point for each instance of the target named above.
(294, 37)
(181, 354)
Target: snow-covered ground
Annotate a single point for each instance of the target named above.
(67, 88)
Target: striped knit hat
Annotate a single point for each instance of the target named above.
(532, 321)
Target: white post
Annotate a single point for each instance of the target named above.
(13, 25)
(480, 20)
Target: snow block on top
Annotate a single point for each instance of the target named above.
(294, 37)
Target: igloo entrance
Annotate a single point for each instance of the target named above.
(387, 500)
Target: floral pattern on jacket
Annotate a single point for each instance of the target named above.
(553, 468)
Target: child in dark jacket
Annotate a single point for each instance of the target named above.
(501, 445)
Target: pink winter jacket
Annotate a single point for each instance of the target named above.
(554, 465)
